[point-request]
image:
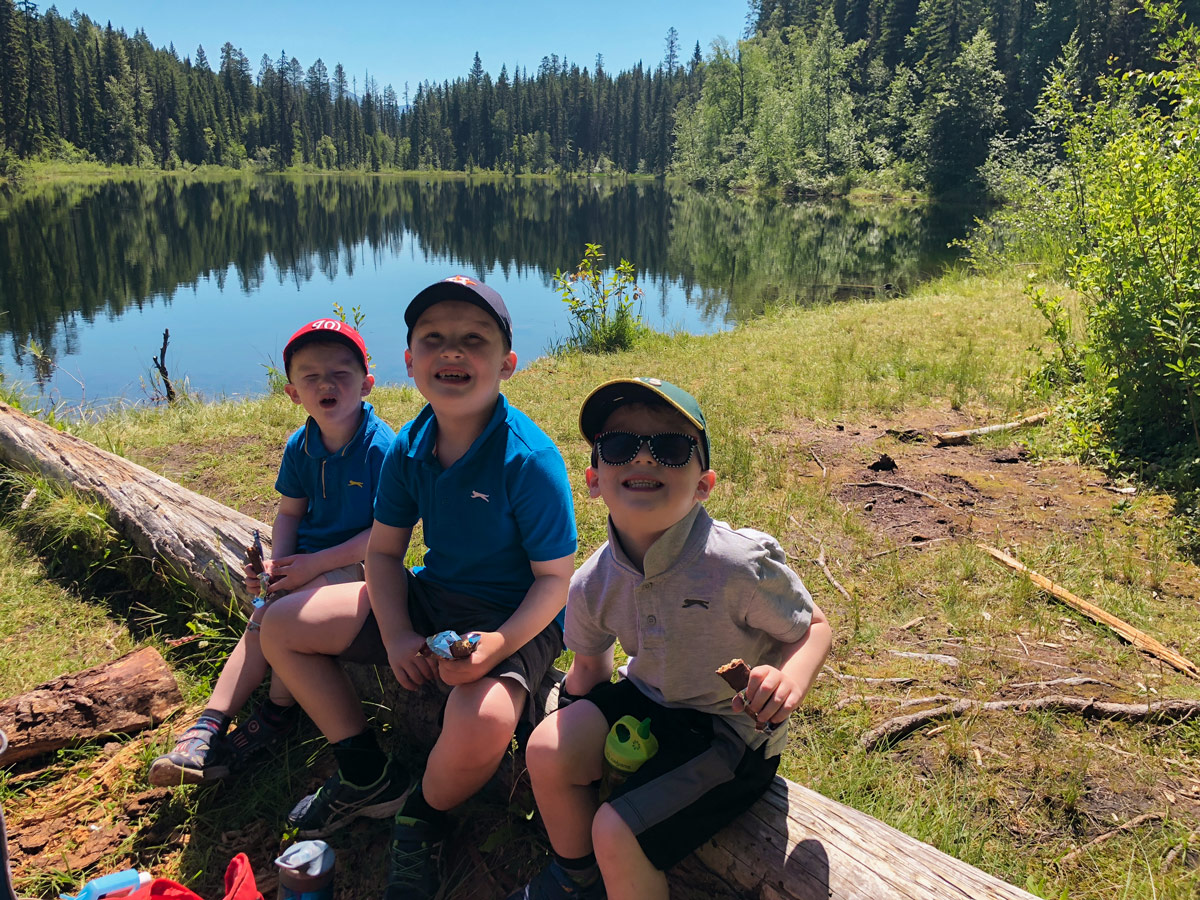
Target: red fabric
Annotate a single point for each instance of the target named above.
(239, 885)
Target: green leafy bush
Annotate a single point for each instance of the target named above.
(603, 317)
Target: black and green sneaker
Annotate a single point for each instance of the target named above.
(338, 802)
(416, 846)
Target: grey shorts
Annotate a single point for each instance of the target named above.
(432, 608)
(701, 779)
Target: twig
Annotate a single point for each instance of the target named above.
(1073, 680)
(915, 545)
(1165, 710)
(962, 437)
(900, 681)
(820, 561)
(1108, 835)
(1139, 639)
(160, 363)
(824, 471)
(898, 487)
(927, 657)
(1175, 851)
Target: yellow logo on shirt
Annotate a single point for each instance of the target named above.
(356, 484)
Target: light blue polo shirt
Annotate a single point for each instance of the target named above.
(340, 486)
(505, 503)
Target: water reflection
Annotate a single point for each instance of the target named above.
(77, 256)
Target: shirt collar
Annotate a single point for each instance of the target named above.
(677, 544)
(314, 447)
(424, 432)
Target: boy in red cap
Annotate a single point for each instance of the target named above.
(326, 488)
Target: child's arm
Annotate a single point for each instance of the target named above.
(588, 671)
(294, 571)
(387, 588)
(773, 693)
(545, 597)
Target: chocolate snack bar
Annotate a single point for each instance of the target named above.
(736, 674)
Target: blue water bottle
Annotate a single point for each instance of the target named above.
(110, 887)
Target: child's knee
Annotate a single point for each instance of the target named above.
(609, 831)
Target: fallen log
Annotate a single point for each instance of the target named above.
(127, 695)
(794, 844)
(1139, 639)
(199, 539)
(887, 733)
(947, 438)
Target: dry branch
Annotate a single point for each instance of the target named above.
(820, 561)
(1163, 711)
(962, 437)
(1139, 639)
(1109, 835)
(898, 487)
(129, 694)
(941, 658)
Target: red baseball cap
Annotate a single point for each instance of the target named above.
(326, 330)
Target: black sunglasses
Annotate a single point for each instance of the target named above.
(668, 449)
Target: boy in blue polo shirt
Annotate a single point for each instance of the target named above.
(492, 494)
(326, 488)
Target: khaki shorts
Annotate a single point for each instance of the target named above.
(347, 574)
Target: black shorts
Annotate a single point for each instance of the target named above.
(701, 779)
(432, 608)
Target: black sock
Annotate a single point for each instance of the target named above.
(417, 807)
(359, 758)
(213, 720)
(278, 717)
(584, 871)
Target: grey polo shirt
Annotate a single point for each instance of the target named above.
(709, 593)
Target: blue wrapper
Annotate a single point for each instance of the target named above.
(441, 643)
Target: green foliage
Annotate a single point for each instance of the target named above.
(1122, 204)
(603, 317)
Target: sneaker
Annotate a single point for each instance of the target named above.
(199, 757)
(338, 803)
(415, 850)
(256, 735)
(553, 883)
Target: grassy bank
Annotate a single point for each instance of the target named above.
(800, 403)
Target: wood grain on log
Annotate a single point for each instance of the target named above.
(200, 539)
(129, 694)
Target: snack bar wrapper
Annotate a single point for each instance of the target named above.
(449, 645)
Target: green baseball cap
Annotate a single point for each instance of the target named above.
(601, 402)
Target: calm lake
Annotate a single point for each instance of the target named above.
(91, 274)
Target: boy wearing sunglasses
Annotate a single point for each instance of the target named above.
(684, 594)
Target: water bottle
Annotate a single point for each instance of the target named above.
(306, 872)
(628, 745)
(110, 887)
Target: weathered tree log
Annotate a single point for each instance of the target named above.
(129, 694)
(961, 437)
(199, 539)
(794, 843)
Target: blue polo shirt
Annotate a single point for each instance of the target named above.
(340, 486)
(505, 503)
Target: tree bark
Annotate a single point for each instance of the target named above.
(129, 694)
(199, 539)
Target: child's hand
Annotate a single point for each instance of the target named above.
(251, 579)
(770, 696)
(489, 651)
(410, 668)
(290, 573)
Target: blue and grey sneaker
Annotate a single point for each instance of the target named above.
(338, 803)
(416, 846)
(553, 883)
(200, 757)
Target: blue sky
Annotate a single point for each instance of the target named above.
(414, 41)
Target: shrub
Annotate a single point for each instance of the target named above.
(602, 313)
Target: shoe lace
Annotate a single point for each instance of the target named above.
(410, 862)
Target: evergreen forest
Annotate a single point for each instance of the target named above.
(817, 95)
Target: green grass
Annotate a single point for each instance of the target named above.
(1010, 793)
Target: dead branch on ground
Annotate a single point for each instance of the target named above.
(1139, 639)
(945, 438)
(898, 487)
(1109, 835)
(160, 363)
(892, 730)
